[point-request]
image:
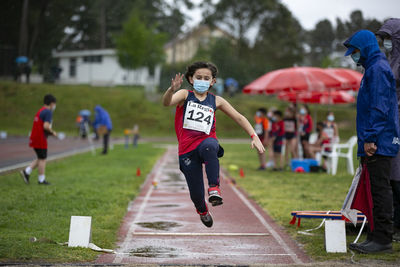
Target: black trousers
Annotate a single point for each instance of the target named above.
(396, 203)
(106, 138)
(381, 190)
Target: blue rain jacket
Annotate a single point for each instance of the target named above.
(102, 118)
(377, 114)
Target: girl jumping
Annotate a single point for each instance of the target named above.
(195, 130)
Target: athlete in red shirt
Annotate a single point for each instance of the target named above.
(38, 139)
(195, 130)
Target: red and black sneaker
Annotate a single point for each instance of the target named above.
(206, 218)
(214, 194)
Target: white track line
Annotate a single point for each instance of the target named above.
(266, 225)
(200, 234)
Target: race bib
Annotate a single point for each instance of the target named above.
(290, 126)
(198, 117)
(258, 128)
(329, 132)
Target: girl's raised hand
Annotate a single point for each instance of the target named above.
(177, 82)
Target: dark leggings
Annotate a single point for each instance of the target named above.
(191, 166)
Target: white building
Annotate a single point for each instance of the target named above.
(100, 67)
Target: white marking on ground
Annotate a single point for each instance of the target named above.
(267, 226)
(200, 234)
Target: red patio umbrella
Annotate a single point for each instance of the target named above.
(350, 79)
(317, 97)
(293, 79)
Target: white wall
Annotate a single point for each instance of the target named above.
(105, 73)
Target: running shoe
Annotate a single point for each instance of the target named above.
(44, 183)
(206, 218)
(25, 176)
(214, 194)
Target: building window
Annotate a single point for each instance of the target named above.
(92, 59)
(72, 67)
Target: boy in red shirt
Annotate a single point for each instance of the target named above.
(38, 139)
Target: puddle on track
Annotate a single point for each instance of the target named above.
(154, 252)
(165, 226)
(166, 206)
(174, 177)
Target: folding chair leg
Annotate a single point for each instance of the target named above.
(350, 165)
(334, 165)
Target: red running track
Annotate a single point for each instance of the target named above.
(162, 227)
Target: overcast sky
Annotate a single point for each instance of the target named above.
(309, 12)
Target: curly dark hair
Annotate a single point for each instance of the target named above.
(191, 69)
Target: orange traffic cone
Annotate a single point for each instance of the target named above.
(241, 172)
(138, 173)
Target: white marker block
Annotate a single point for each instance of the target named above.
(335, 236)
(80, 231)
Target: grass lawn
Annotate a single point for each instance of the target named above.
(281, 192)
(84, 185)
(129, 105)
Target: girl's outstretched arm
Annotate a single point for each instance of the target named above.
(170, 98)
(227, 108)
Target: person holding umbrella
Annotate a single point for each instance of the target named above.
(377, 133)
(390, 35)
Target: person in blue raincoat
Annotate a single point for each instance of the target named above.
(377, 133)
(102, 125)
(390, 35)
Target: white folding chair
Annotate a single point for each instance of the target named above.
(336, 152)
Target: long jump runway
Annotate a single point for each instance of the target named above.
(162, 227)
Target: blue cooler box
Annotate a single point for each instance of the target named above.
(304, 163)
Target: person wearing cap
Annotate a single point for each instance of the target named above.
(377, 133)
(390, 35)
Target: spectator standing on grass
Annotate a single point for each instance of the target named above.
(278, 133)
(305, 129)
(377, 133)
(390, 35)
(290, 127)
(136, 135)
(103, 126)
(41, 129)
(261, 128)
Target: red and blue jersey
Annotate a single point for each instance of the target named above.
(38, 137)
(278, 131)
(189, 139)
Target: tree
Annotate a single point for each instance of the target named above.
(239, 17)
(279, 41)
(139, 45)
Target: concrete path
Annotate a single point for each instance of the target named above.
(162, 227)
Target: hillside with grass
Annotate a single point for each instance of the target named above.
(130, 105)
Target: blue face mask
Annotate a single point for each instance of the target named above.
(201, 86)
(331, 118)
(356, 57)
(387, 44)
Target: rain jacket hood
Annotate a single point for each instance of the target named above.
(365, 41)
(377, 114)
(392, 28)
(102, 118)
